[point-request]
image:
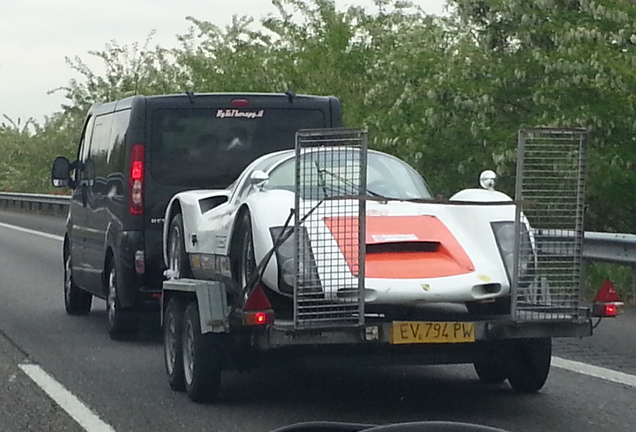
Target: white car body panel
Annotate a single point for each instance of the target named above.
(469, 224)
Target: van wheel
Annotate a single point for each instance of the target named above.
(177, 257)
(122, 324)
(172, 343)
(202, 358)
(529, 364)
(76, 300)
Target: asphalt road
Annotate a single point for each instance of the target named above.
(124, 384)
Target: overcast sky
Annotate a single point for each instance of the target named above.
(37, 35)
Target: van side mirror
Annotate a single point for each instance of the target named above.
(61, 172)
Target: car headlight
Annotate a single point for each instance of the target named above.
(286, 258)
(505, 236)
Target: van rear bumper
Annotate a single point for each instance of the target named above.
(138, 290)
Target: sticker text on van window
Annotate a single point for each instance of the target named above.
(234, 113)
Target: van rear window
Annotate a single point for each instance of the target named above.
(210, 147)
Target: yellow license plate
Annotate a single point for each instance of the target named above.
(414, 332)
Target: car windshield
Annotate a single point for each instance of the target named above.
(335, 172)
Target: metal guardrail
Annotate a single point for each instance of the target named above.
(613, 248)
(39, 203)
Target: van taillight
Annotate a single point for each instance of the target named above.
(136, 186)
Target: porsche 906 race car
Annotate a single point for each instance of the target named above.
(418, 250)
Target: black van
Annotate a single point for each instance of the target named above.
(133, 156)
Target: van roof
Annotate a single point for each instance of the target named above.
(220, 98)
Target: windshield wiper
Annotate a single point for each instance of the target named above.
(345, 181)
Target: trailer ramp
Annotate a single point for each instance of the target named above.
(550, 187)
(330, 186)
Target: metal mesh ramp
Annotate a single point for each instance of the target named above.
(329, 221)
(550, 187)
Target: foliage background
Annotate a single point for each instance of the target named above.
(448, 94)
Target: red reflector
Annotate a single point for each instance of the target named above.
(607, 303)
(257, 300)
(607, 293)
(240, 102)
(156, 295)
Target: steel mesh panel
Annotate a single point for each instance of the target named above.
(550, 188)
(329, 221)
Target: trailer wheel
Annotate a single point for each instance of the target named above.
(202, 358)
(491, 363)
(529, 364)
(172, 343)
(76, 300)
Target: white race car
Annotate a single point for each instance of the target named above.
(418, 249)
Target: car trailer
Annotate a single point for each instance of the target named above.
(215, 325)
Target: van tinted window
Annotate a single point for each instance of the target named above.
(210, 147)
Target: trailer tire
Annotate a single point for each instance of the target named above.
(491, 363)
(529, 364)
(202, 358)
(172, 343)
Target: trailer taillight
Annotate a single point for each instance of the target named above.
(258, 309)
(136, 180)
(607, 304)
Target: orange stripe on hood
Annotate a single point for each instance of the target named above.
(401, 247)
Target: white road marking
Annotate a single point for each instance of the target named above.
(67, 400)
(29, 231)
(595, 371)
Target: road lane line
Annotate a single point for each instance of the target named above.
(67, 400)
(595, 371)
(29, 231)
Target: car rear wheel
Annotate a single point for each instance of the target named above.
(202, 358)
(178, 262)
(529, 364)
(76, 300)
(172, 343)
(122, 324)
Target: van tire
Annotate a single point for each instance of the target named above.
(122, 324)
(76, 300)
